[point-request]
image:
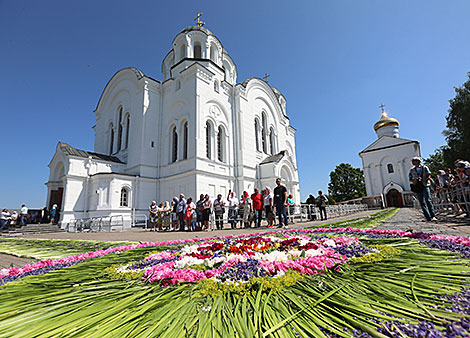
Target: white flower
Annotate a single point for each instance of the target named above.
(187, 261)
(330, 242)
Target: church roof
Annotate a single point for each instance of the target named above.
(276, 92)
(386, 142)
(274, 158)
(197, 28)
(385, 120)
(69, 150)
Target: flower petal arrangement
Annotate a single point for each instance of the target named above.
(328, 282)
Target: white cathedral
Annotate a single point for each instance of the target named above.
(197, 131)
(387, 162)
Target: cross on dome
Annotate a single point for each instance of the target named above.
(265, 77)
(382, 106)
(199, 22)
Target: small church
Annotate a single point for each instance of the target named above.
(387, 162)
(196, 131)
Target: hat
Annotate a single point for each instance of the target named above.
(416, 158)
(442, 172)
(461, 164)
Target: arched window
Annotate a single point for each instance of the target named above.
(119, 140)
(197, 50)
(390, 168)
(257, 134)
(272, 142)
(220, 144)
(185, 141)
(178, 84)
(213, 52)
(128, 125)
(182, 51)
(216, 86)
(174, 146)
(124, 198)
(208, 140)
(111, 139)
(264, 132)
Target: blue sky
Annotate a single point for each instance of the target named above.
(335, 62)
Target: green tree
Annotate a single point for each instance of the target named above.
(458, 126)
(346, 182)
(435, 161)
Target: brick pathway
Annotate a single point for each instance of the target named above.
(413, 219)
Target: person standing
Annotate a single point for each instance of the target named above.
(257, 200)
(160, 210)
(199, 208)
(206, 212)
(189, 214)
(23, 215)
(53, 214)
(153, 209)
(322, 201)
(219, 210)
(280, 202)
(268, 206)
(180, 208)
(166, 216)
(232, 208)
(420, 184)
(4, 219)
(247, 207)
(291, 207)
(174, 214)
(311, 207)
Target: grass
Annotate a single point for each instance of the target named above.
(82, 301)
(370, 221)
(50, 248)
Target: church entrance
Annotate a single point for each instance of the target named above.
(394, 198)
(56, 198)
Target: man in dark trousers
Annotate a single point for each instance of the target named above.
(280, 202)
(310, 206)
(257, 200)
(322, 200)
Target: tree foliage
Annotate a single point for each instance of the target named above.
(435, 161)
(346, 182)
(457, 132)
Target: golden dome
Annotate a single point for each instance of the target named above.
(385, 121)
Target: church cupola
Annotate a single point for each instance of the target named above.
(198, 44)
(386, 126)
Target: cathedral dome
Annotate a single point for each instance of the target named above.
(385, 121)
(197, 28)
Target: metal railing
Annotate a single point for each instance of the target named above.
(231, 215)
(451, 200)
(95, 224)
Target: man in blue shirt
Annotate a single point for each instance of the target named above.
(420, 178)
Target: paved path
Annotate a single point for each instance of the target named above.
(138, 234)
(9, 260)
(413, 219)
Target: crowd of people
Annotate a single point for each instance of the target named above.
(449, 186)
(25, 215)
(452, 188)
(188, 215)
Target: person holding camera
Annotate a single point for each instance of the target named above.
(420, 184)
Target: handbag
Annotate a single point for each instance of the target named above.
(418, 187)
(188, 215)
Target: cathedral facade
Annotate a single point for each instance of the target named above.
(196, 131)
(387, 162)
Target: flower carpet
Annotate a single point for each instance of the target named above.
(323, 282)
